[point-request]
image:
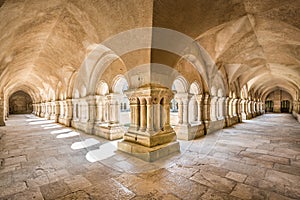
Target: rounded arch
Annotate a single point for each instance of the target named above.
(102, 88)
(220, 93)
(34, 92)
(195, 88)
(20, 102)
(108, 51)
(120, 84)
(180, 85)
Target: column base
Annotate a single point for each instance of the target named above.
(53, 117)
(66, 122)
(212, 126)
(189, 132)
(231, 120)
(110, 131)
(150, 139)
(148, 154)
(2, 123)
(47, 116)
(249, 116)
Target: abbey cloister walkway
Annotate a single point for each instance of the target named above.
(256, 159)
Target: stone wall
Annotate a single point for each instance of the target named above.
(20, 103)
(278, 96)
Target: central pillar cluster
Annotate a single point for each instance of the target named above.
(150, 135)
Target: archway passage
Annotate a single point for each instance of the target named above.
(285, 106)
(20, 103)
(279, 101)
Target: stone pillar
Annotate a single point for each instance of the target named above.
(214, 108)
(239, 110)
(166, 118)
(57, 111)
(183, 128)
(47, 110)
(134, 104)
(53, 116)
(180, 111)
(38, 109)
(227, 112)
(150, 144)
(199, 107)
(149, 128)
(143, 114)
(91, 103)
(100, 105)
(2, 114)
(75, 111)
(61, 109)
(113, 129)
(68, 115)
(185, 111)
(220, 106)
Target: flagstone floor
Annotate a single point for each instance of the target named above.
(257, 159)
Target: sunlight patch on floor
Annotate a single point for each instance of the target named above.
(67, 135)
(65, 130)
(41, 122)
(84, 144)
(105, 151)
(53, 126)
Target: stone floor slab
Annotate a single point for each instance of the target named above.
(257, 159)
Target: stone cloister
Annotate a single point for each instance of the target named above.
(153, 76)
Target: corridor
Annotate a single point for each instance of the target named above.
(256, 159)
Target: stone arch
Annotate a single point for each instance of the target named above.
(20, 102)
(102, 88)
(83, 91)
(181, 85)
(120, 84)
(195, 103)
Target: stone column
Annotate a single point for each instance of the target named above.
(134, 113)
(151, 144)
(149, 115)
(52, 117)
(158, 117)
(114, 107)
(213, 108)
(199, 103)
(185, 111)
(180, 111)
(99, 109)
(143, 114)
(75, 111)
(166, 118)
(47, 110)
(68, 110)
(227, 111)
(38, 109)
(61, 109)
(239, 110)
(183, 128)
(2, 122)
(220, 108)
(57, 111)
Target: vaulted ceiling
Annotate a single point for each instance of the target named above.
(256, 42)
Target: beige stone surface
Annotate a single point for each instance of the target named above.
(196, 173)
